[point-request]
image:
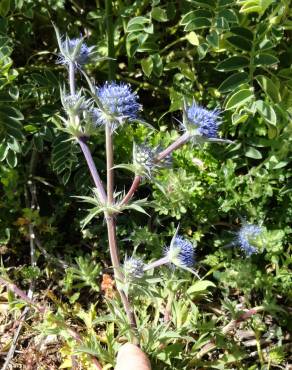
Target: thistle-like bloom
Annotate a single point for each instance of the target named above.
(117, 104)
(74, 51)
(144, 160)
(181, 252)
(201, 121)
(247, 238)
(74, 104)
(133, 268)
(144, 156)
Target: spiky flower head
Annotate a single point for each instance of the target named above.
(73, 51)
(205, 122)
(133, 268)
(74, 104)
(181, 252)
(200, 121)
(248, 238)
(144, 160)
(144, 155)
(78, 122)
(117, 104)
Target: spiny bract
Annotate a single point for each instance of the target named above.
(76, 51)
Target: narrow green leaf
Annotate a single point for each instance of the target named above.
(233, 81)
(253, 153)
(193, 38)
(240, 42)
(265, 59)
(232, 63)
(200, 286)
(4, 7)
(268, 86)
(239, 98)
(267, 112)
(147, 66)
(280, 165)
(11, 159)
(159, 14)
(3, 151)
(137, 208)
(197, 24)
(243, 32)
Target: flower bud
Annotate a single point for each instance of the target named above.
(133, 268)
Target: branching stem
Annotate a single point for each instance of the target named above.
(135, 184)
(175, 145)
(112, 238)
(171, 148)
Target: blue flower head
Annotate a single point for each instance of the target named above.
(181, 252)
(117, 104)
(247, 238)
(201, 121)
(133, 268)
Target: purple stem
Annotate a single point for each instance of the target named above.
(178, 143)
(92, 169)
(161, 261)
(133, 188)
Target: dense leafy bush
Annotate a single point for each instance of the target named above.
(231, 54)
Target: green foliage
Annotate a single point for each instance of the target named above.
(85, 274)
(235, 54)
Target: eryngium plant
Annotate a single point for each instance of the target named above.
(108, 107)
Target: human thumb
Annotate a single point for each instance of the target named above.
(131, 357)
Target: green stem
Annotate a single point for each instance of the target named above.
(110, 38)
(172, 44)
(72, 78)
(119, 277)
(259, 348)
(110, 219)
(109, 164)
(167, 312)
